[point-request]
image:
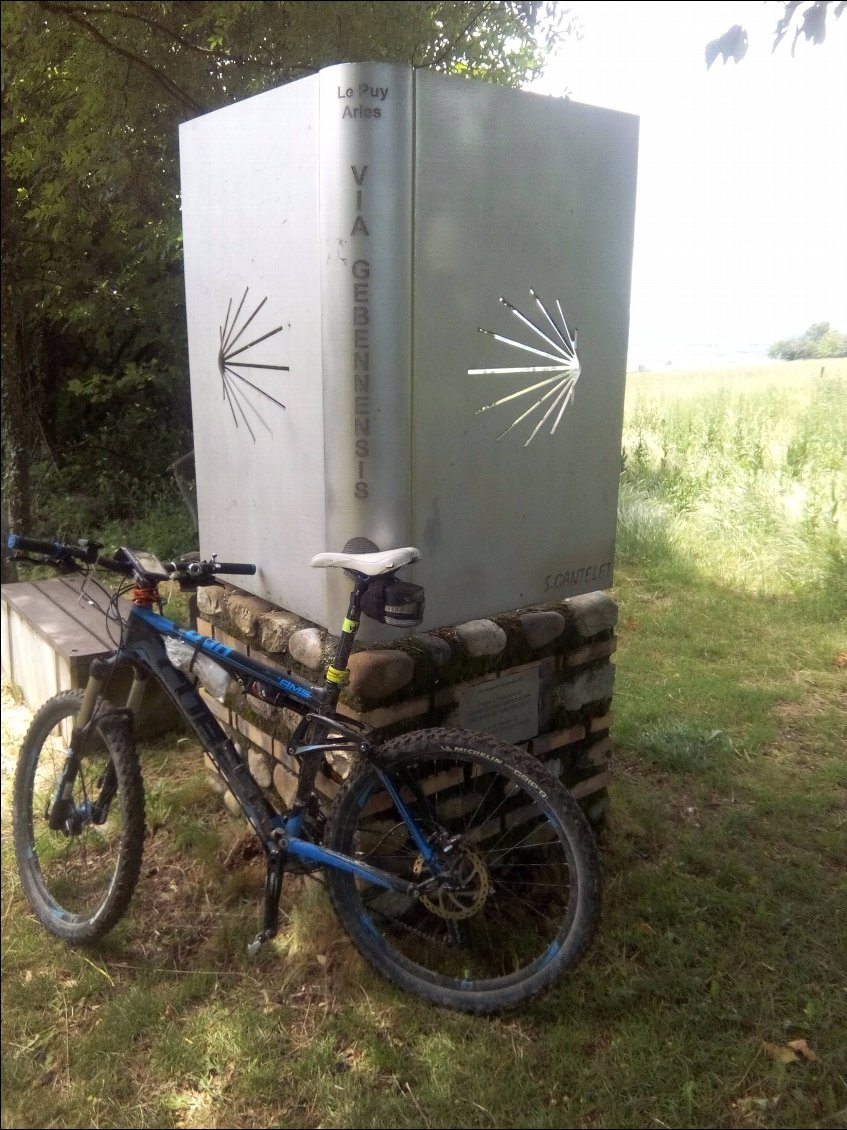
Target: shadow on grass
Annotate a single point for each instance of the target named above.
(708, 673)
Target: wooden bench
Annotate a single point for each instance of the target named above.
(51, 631)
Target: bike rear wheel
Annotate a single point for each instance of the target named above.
(79, 878)
(514, 897)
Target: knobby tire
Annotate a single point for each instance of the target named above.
(79, 881)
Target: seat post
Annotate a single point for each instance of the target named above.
(337, 673)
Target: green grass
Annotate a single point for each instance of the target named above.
(725, 932)
(742, 474)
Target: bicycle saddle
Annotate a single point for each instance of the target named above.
(371, 564)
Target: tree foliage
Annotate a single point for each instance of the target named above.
(95, 387)
(805, 18)
(819, 340)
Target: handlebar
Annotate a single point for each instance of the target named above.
(232, 567)
(86, 551)
(55, 549)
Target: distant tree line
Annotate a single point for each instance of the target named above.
(819, 340)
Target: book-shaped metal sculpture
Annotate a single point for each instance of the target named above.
(384, 209)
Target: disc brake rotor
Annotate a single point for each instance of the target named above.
(468, 887)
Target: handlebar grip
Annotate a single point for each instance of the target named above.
(235, 568)
(33, 545)
(60, 552)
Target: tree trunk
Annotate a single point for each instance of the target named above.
(16, 444)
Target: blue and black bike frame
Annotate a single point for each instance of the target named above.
(320, 731)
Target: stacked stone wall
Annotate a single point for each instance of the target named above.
(554, 660)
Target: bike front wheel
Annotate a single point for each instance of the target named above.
(510, 882)
(79, 877)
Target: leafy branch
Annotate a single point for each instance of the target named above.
(734, 42)
(163, 80)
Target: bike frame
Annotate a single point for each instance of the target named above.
(320, 731)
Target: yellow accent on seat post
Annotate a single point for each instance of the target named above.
(335, 676)
(349, 626)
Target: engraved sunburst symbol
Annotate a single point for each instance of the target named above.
(564, 374)
(233, 382)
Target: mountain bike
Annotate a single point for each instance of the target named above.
(461, 869)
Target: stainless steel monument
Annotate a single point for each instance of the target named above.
(408, 301)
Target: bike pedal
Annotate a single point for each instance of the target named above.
(257, 943)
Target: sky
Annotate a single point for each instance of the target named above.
(741, 217)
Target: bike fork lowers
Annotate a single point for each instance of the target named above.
(60, 817)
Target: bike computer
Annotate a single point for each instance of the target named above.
(146, 563)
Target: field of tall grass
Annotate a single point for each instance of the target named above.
(716, 992)
(743, 472)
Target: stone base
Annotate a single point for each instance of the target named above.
(539, 677)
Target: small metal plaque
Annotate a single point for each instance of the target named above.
(506, 707)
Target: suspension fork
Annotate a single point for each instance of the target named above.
(96, 810)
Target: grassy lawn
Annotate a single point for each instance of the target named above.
(716, 994)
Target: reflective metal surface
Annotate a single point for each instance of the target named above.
(386, 217)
